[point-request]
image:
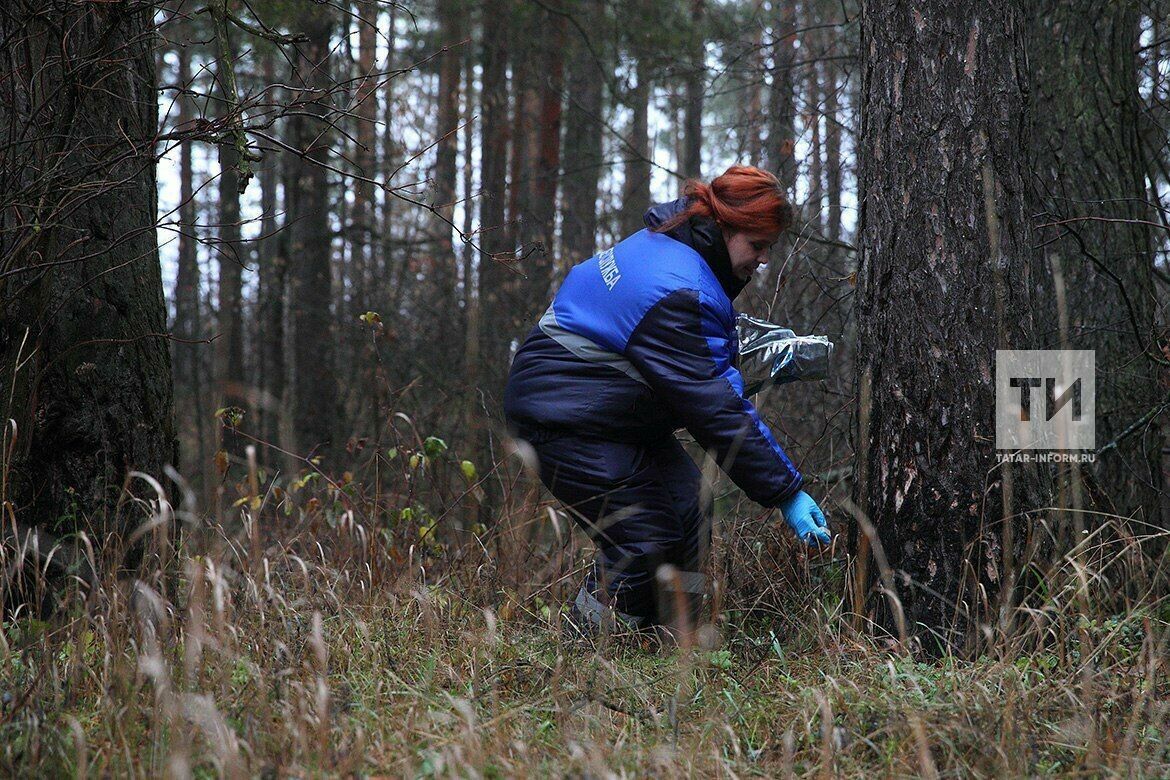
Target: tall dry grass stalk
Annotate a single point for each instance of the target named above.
(320, 629)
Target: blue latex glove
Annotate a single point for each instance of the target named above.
(805, 518)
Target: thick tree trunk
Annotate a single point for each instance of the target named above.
(312, 386)
(1095, 223)
(945, 279)
(583, 125)
(83, 348)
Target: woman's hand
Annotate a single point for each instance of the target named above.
(806, 518)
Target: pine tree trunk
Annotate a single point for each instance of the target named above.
(636, 189)
(548, 168)
(696, 83)
(833, 163)
(311, 385)
(364, 246)
(495, 274)
(231, 385)
(781, 140)
(814, 206)
(81, 296)
(273, 260)
(1095, 223)
(443, 313)
(191, 406)
(945, 279)
(583, 125)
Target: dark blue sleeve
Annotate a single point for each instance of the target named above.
(683, 351)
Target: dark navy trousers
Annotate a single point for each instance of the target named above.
(639, 503)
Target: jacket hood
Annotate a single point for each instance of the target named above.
(701, 234)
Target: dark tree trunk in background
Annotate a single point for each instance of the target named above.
(636, 188)
(443, 314)
(755, 102)
(696, 85)
(833, 161)
(539, 265)
(583, 125)
(312, 386)
(944, 280)
(389, 266)
(496, 274)
(191, 407)
(522, 53)
(780, 159)
(273, 259)
(364, 246)
(781, 142)
(814, 206)
(1090, 181)
(231, 385)
(81, 298)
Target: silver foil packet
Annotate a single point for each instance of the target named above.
(772, 355)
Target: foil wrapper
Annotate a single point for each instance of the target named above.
(772, 355)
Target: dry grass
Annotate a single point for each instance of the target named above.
(350, 638)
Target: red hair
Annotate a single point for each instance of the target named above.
(743, 198)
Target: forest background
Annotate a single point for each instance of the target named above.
(265, 264)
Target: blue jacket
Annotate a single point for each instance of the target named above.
(640, 340)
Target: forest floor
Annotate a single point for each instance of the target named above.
(334, 651)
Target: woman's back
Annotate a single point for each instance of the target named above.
(574, 372)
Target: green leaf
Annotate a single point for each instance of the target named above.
(468, 469)
(434, 446)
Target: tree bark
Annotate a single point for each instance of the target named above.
(190, 404)
(583, 126)
(636, 188)
(548, 168)
(83, 348)
(496, 274)
(1094, 221)
(365, 248)
(696, 84)
(443, 312)
(231, 384)
(273, 260)
(833, 163)
(946, 277)
(814, 206)
(781, 141)
(311, 383)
